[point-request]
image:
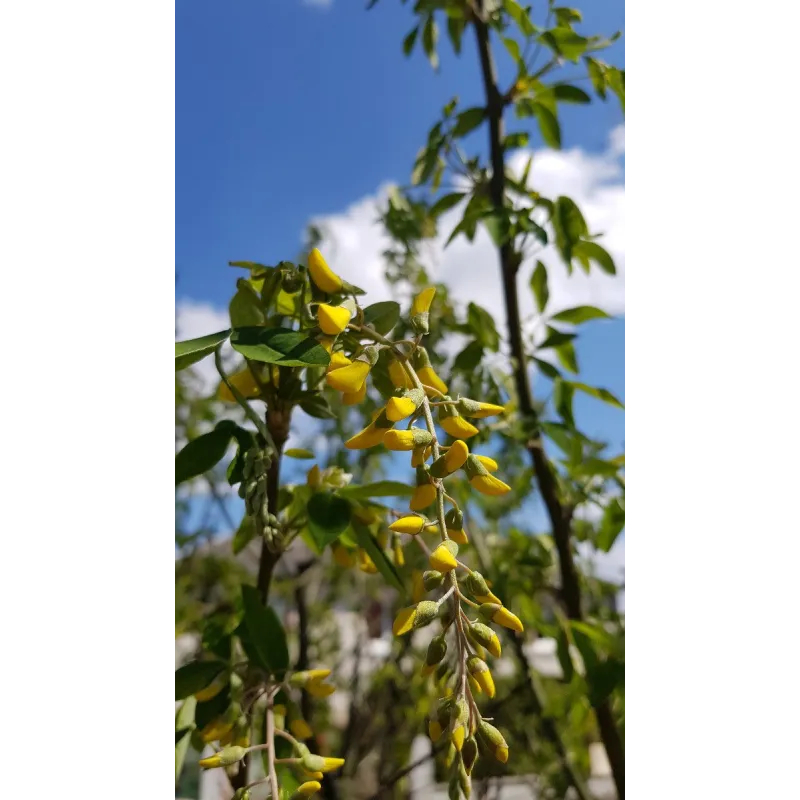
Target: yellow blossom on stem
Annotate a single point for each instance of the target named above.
(423, 497)
(489, 485)
(420, 455)
(414, 617)
(494, 741)
(350, 378)
(244, 382)
(398, 376)
(417, 586)
(410, 525)
(333, 319)
(501, 615)
(354, 398)
(443, 558)
(365, 562)
(476, 410)
(316, 688)
(489, 463)
(371, 436)
(223, 758)
(482, 675)
(427, 374)
(300, 729)
(306, 789)
(398, 408)
(406, 440)
(457, 737)
(327, 343)
(322, 275)
(434, 730)
(338, 360)
(301, 679)
(419, 310)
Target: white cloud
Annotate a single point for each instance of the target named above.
(354, 240)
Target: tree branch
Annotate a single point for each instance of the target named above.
(545, 476)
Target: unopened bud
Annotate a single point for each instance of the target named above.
(432, 579)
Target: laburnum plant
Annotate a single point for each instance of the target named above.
(301, 331)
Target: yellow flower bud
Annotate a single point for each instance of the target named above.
(354, 398)
(300, 729)
(500, 615)
(338, 360)
(410, 525)
(489, 463)
(423, 497)
(489, 485)
(414, 617)
(476, 410)
(223, 758)
(458, 535)
(484, 636)
(434, 730)
(493, 740)
(458, 427)
(417, 586)
(399, 556)
(306, 789)
(428, 376)
(398, 376)
(332, 764)
(476, 687)
(406, 440)
(244, 382)
(322, 275)
(482, 675)
(371, 436)
(301, 679)
(327, 343)
(333, 319)
(342, 556)
(443, 558)
(348, 379)
(422, 302)
(315, 775)
(316, 688)
(398, 408)
(456, 456)
(365, 562)
(489, 598)
(457, 736)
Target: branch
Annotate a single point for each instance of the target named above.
(545, 476)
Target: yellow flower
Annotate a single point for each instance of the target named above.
(489, 598)
(458, 427)
(398, 376)
(457, 737)
(406, 440)
(365, 563)
(434, 730)
(501, 615)
(223, 758)
(215, 730)
(341, 555)
(482, 675)
(332, 764)
(307, 789)
(315, 775)
(398, 408)
(494, 741)
(420, 455)
(213, 690)
(313, 477)
(350, 378)
(305, 677)
(399, 556)
(488, 484)
(244, 382)
(414, 617)
(338, 360)
(423, 496)
(332, 319)
(476, 410)
(443, 558)
(410, 525)
(316, 688)
(428, 376)
(476, 687)
(459, 536)
(456, 456)
(322, 275)
(487, 462)
(354, 398)
(327, 343)
(301, 729)
(371, 436)
(422, 302)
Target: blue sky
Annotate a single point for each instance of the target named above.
(287, 112)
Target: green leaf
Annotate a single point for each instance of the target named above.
(256, 270)
(184, 724)
(279, 346)
(318, 407)
(547, 369)
(455, 30)
(244, 534)
(596, 253)
(513, 49)
(265, 632)
(378, 489)
(574, 316)
(569, 226)
(497, 223)
(298, 452)
(481, 323)
(520, 16)
(567, 357)
(193, 350)
(328, 516)
(566, 43)
(555, 339)
(468, 120)
(597, 73)
(410, 40)
(563, 392)
(548, 125)
(196, 676)
(385, 567)
(564, 656)
(430, 35)
(382, 316)
(565, 16)
(611, 525)
(203, 453)
(245, 306)
(604, 679)
(616, 80)
(446, 203)
(570, 94)
(469, 358)
(539, 287)
(516, 140)
(600, 394)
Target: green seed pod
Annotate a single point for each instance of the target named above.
(432, 579)
(469, 754)
(464, 780)
(454, 520)
(437, 650)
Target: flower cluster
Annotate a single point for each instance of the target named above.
(285, 722)
(420, 401)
